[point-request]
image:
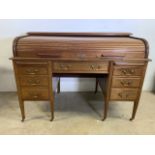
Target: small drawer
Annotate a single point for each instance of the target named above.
(78, 67)
(125, 94)
(32, 80)
(31, 93)
(128, 71)
(126, 82)
(32, 70)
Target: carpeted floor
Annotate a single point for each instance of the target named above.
(76, 113)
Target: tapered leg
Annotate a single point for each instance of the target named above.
(21, 105)
(135, 106)
(58, 87)
(52, 107)
(105, 110)
(96, 86)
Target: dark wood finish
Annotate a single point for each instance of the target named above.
(117, 60)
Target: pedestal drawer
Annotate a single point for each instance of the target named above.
(125, 94)
(32, 80)
(126, 82)
(35, 93)
(128, 70)
(32, 70)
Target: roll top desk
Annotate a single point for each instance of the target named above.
(118, 61)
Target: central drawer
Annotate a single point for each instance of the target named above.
(78, 67)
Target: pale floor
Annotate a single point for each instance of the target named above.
(76, 113)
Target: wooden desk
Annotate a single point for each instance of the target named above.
(117, 61)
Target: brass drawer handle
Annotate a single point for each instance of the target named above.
(34, 81)
(92, 67)
(95, 67)
(124, 95)
(32, 71)
(126, 82)
(34, 95)
(128, 71)
(124, 71)
(100, 56)
(65, 67)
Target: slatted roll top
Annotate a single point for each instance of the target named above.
(80, 45)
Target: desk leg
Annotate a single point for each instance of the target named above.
(135, 106)
(52, 107)
(58, 87)
(106, 104)
(22, 109)
(96, 86)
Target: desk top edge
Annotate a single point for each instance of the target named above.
(86, 34)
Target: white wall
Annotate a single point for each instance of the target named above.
(11, 28)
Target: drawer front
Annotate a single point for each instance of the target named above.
(123, 94)
(31, 93)
(128, 71)
(126, 82)
(32, 70)
(31, 80)
(78, 67)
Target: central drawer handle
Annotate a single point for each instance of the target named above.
(95, 67)
(65, 67)
(92, 67)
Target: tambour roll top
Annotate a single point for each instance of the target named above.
(80, 46)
